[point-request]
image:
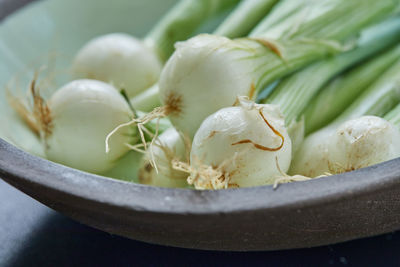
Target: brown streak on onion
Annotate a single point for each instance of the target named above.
(261, 147)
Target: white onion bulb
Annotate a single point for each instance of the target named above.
(83, 113)
(119, 59)
(198, 65)
(363, 142)
(169, 146)
(248, 144)
(353, 145)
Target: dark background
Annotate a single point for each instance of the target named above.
(34, 235)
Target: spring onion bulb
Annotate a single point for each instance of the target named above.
(81, 114)
(215, 70)
(242, 146)
(134, 64)
(119, 59)
(77, 119)
(169, 147)
(363, 142)
(347, 142)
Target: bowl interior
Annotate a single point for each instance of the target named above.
(45, 35)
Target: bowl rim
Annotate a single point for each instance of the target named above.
(17, 165)
(10, 6)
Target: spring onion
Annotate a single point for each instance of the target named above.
(242, 146)
(394, 117)
(244, 18)
(119, 59)
(168, 147)
(293, 94)
(214, 70)
(339, 94)
(365, 141)
(321, 151)
(238, 24)
(134, 64)
(74, 123)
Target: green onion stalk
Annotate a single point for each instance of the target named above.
(135, 64)
(340, 93)
(394, 117)
(294, 94)
(207, 72)
(358, 137)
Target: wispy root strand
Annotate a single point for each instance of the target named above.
(38, 116)
(285, 178)
(204, 176)
(157, 114)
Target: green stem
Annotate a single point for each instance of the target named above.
(181, 22)
(343, 21)
(394, 116)
(286, 16)
(310, 41)
(245, 17)
(341, 92)
(294, 93)
(378, 99)
(148, 100)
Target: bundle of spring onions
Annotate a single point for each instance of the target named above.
(237, 106)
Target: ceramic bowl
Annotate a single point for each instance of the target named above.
(303, 214)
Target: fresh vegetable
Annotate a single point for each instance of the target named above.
(214, 70)
(119, 59)
(362, 142)
(134, 64)
(75, 122)
(344, 146)
(242, 146)
(341, 92)
(213, 141)
(394, 117)
(169, 147)
(294, 93)
(244, 18)
(238, 24)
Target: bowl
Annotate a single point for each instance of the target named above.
(324, 211)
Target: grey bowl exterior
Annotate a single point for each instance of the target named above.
(304, 214)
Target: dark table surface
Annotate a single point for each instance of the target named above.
(34, 235)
